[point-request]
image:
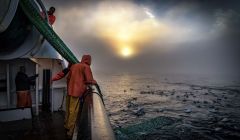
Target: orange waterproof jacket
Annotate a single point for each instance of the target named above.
(60, 74)
(79, 76)
(51, 18)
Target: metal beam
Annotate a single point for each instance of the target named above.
(37, 90)
(51, 86)
(8, 86)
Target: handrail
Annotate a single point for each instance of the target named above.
(93, 123)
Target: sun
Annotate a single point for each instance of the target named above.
(126, 51)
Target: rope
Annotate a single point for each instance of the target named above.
(90, 91)
(48, 33)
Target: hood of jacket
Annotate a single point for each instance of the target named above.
(86, 59)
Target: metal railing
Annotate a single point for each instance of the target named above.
(93, 123)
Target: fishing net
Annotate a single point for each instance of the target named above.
(140, 131)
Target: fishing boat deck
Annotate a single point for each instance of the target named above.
(46, 126)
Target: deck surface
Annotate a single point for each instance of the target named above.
(47, 126)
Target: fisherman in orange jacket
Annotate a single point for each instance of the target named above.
(51, 16)
(23, 83)
(79, 75)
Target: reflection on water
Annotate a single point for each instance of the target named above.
(208, 108)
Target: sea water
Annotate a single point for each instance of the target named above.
(208, 107)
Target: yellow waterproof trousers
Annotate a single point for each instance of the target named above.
(72, 108)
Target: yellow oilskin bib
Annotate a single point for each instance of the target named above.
(72, 108)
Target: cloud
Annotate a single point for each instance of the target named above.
(118, 26)
(226, 22)
(126, 25)
(111, 30)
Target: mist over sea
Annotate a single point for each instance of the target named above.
(206, 107)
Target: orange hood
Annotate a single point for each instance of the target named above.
(86, 59)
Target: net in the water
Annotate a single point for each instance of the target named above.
(140, 131)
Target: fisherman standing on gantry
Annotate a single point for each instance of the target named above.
(79, 75)
(51, 16)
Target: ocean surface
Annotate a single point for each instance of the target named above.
(201, 107)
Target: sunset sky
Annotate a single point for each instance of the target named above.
(173, 36)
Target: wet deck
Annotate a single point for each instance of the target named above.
(47, 126)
